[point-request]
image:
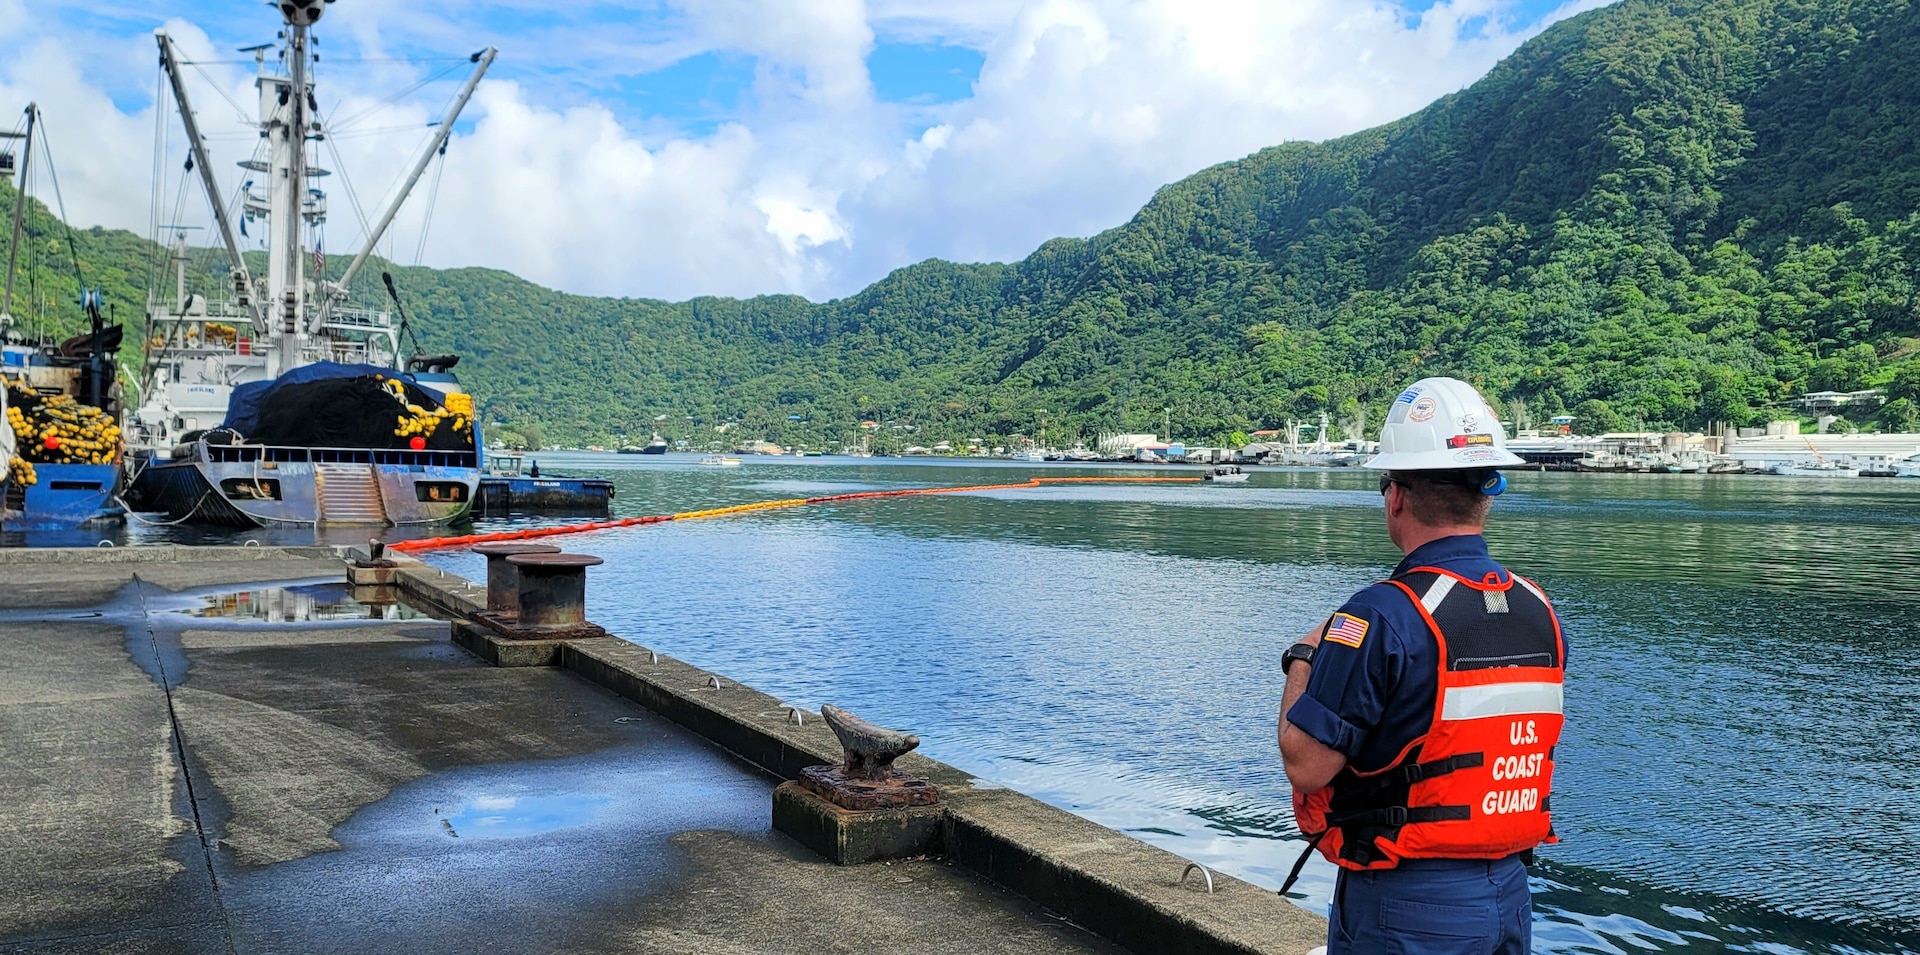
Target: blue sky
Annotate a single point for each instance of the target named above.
(665, 77)
(678, 147)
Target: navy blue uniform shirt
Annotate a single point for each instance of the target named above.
(1370, 701)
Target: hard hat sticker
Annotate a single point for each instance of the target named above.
(1479, 456)
(1407, 396)
(1423, 409)
(1469, 440)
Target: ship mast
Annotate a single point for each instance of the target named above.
(288, 312)
(287, 131)
(19, 217)
(236, 263)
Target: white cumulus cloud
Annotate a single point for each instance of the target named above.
(813, 185)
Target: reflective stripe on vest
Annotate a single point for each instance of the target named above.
(1476, 786)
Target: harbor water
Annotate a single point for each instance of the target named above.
(1743, 690)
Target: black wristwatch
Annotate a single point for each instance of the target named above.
(1301, 652)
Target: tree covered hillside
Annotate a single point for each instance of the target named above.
(1656, 213)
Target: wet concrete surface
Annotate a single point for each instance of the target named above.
(178, 781)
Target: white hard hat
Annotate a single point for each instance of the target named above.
(1441, 424)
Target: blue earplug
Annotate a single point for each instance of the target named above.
(1494, 485)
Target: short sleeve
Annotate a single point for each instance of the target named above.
(1351, 680)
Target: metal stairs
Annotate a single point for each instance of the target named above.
(348, 493)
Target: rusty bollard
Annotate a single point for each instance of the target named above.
(376, 570)
(503, 579)
(863, 809)
(553, 590)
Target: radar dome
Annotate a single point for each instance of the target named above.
(302, 13)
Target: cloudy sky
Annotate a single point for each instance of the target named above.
(671, 148)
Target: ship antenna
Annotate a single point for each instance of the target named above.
(405, 328)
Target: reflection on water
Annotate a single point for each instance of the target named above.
(329, 601)
(1744, 686)
(509, 817)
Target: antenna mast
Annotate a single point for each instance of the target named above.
(19, 217)
(242, 280)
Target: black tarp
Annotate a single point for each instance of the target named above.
(327, 405)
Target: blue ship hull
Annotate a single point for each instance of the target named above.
(502, 495)
(67, 496)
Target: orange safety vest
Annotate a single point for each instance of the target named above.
(1476, 786)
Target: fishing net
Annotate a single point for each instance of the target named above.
(366, 411)
(55, 429)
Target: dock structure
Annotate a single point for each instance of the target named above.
(222, 749)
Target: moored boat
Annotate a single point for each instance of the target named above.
(1818, 469)
(506, 488)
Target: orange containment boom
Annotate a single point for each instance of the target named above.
(436, 543)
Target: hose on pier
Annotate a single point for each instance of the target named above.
(468, 540)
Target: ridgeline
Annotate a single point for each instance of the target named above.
(1654, 214)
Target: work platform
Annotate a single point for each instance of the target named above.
(219, 750)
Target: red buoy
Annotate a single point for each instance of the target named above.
(52, 442)
(417, 443)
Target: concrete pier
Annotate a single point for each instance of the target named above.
(206, 752)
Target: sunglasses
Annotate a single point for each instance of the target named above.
(1387, 480)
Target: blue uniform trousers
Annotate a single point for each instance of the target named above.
(1433, 907)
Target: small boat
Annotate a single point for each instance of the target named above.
(1910, 468)
(506, 488)
(1821, 469)
(1225, 474)
(719, 461)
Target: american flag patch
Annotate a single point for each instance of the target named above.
(1347, 629)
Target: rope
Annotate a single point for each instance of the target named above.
(134, 515)
(435, 543)
(426, 224)
(53, 174)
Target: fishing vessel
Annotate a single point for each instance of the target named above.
(656, 446)
(64, 403)
(276, 401)
(1821, 467)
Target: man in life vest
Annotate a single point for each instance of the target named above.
(1419, 723)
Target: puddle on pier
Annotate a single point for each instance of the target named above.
(153, 618)
(304, 604)
(559, 850)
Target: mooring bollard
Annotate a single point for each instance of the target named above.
(862, 809)
(503, 579)
(376, 570)
(553, 590)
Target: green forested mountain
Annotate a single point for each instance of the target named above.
(1664, 213)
